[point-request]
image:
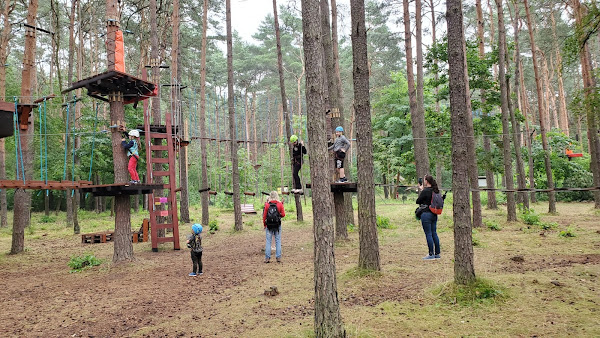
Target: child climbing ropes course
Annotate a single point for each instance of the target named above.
(298, 150)
(132, 146)
(340, 147)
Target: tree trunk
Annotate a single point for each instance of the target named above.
(551, 194)
(5, 37)
(563, 115)
(230, 96)
(417, 119)
(464, 271)
(528, 135)
(288, 131)
(22, 198)
(123, 248)
(328, 321)
(203, 148)
(435, 75)
(511, 214)
(367, 218)
(487, 147)
(516, 127)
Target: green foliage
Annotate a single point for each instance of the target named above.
(569, 232)
(478, 292)
(351, 228)
(529, 217)
(83, 262)
(492, 225)
(213, 226)
(47, 219)
(383, 222)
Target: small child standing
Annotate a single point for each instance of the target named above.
(340, 147)
(194, 242)
(132, 152)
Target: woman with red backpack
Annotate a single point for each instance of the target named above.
(272, 214)
(428, 187)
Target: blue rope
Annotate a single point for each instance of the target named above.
(20, 146)
(66, 141)
(73, 141)
(15, 124)
(93, 144)
(46, 143)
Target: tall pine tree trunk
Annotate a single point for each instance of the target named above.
(528, 136)
(511, 214)
(123, 248)
(288, 131)
(464, 271)
(487, 147)
(538, 85)
(230, 96)
(367, 223)
(417, 119)
(203, 141)
(563, 114)
(516, 126)
(5, 37)
(22, 199)
(328, 321)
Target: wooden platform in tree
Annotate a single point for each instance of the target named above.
(340, 187)
(99, 86)
(121, 189)
(23, 109)
(43, 185)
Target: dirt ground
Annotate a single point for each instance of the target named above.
(550, 281)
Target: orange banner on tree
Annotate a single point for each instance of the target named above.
(119, 52)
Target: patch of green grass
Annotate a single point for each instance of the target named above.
(83, 262)
(492, 225)
(357, 272)
(529, 217)
(478, 292)
(569, 232)
(383, 222)
(47, 219)
(213, 226)
(351, 228)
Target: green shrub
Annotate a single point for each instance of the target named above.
(47, 219)
(479, 291)
(530, 217)
(351, 227)
(492, 225)
(569, 232)
(383, 222)
(548, 226)
(213, 226)
(83, 262)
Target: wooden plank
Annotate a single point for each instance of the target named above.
(159, 148)
(160, 160)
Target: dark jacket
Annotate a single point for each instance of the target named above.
(195, 242)
(297, 151)
(279, 208)
(425, 196)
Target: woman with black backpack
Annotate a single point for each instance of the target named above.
(272, 214)
(427, 187)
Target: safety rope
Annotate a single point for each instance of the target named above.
(93, 144)
(18, 145)
(66, 141)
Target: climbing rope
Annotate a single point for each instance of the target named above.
(93, 144)
(18, 145)
(66, 141)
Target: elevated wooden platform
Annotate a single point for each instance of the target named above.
(248, 208)
(43, 185)
(132, 88)
(24, 111)
(340, 187)
(121, 189)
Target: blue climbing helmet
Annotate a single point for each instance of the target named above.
(339, 128)
(197, 228)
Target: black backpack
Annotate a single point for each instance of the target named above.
(273, 217)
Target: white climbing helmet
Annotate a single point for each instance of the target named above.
(134, 133)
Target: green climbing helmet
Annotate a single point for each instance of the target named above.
(293, 138)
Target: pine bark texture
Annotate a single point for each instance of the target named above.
(511, 207)
(203, 148)
(5, 37)
(516, 126)
(464, 271)
(327, 320)
(22, 198)
(230, 96)
(538, 85)
(417, 119)
(123, 248)
(487, 147)
(367, 218)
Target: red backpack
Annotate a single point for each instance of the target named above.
(437, 203)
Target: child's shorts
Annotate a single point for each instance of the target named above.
(339, 159)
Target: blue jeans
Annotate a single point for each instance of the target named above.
(429, 222)
(277, 235)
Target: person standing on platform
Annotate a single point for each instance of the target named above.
(340, 147)
(298, 150)
(132, 152)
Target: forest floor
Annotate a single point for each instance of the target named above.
(548, 284)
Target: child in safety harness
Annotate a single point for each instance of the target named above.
(194, 242)
(132, 146)
(272, 214)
